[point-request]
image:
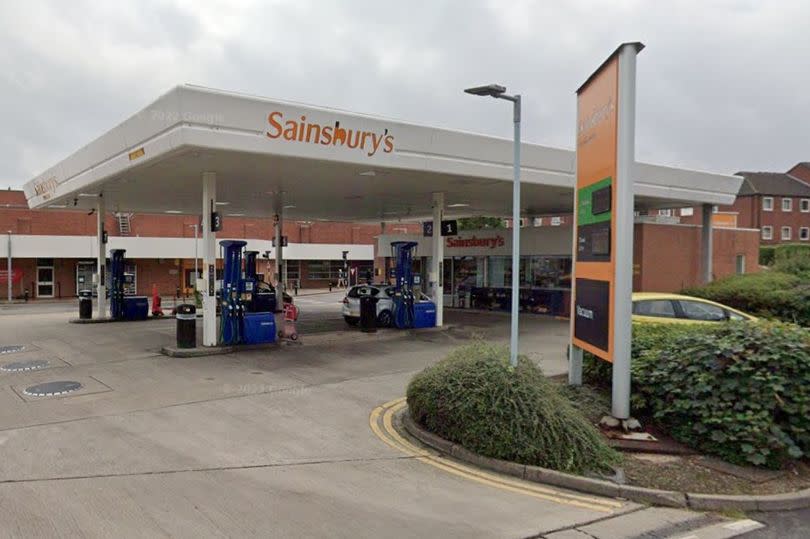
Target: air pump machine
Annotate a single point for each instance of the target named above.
(409, 311)
(239, 322)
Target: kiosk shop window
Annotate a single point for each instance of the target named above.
(463, 272)
(84, 275)
(535, 271)
(293, 270)
(324, 269)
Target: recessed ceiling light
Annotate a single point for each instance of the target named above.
(287, 207)
(235, 214)
(368, 173)
(173, 211)
(458, 205)
(222, 203)
(57, 206)
(88, 195)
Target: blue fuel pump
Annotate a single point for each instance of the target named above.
(240, 322)
(409, 311)
(124, 307)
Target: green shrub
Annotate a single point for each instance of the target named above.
(740, 391)
(649, 340)
(476, 399)
(767, 294)
(766, 255)
(794, 259)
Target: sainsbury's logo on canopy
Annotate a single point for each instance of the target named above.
(300, 130)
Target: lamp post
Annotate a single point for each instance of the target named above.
(8, 267)
(499, 92)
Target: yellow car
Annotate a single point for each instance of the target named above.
(674, 308)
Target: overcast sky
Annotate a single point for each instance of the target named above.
(723, 85)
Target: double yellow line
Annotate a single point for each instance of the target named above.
(381, 423)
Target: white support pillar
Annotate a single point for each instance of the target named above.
(706, 245)
(209, 258)
(278, 223)
(101, 263)
(437, 258)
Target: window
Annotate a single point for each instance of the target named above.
(739, 265)
(786, 233)
(767, 232)
(804, 233)
(687, 212)
(787, 204)
(804, 205)
(696, 310)
(661, 308)
(734, 316)
(665, 213)
(767, 203)
(324, 269)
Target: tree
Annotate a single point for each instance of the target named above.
(477, 223)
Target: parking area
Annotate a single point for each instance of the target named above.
(266, 440)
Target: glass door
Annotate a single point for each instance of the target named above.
(44, 281)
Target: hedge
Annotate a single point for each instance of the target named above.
(737, 390)
(476, 399)
(767, 294)
(794, 259)
(766, 255)
(740, 391)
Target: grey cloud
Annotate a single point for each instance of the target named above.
(721, 85)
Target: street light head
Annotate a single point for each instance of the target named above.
(492, 90)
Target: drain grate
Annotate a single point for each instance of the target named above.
(10, 349)
(51, 389)
(17, 366)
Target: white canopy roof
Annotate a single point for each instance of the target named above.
(329, 165)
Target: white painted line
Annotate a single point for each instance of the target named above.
(742, 525)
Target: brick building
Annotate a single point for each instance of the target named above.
(776, 203)
(54, 251)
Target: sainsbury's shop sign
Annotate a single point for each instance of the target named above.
(304, 131)
(460, 242)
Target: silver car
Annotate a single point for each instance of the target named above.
(385, 306)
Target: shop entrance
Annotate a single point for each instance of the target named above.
(44, 277)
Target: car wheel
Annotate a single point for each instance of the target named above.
(385, 319)
(352, 321)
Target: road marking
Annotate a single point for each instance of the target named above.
(742, 525)
(384, 415)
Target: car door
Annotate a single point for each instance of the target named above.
(654, 310)
(699, 311)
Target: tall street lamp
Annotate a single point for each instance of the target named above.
(499, 92)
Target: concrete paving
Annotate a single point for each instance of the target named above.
(270, 443)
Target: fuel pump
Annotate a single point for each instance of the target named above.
(246, 316)
(402, 252)
(231, 301)
(124, 307)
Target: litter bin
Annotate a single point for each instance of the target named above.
(368, 310)
(85, 304)
(186, 326)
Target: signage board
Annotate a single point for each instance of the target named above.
(603, 206)
(449, 228)
(216, 221)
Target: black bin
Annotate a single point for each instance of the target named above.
(85, 304)
(368, 311)
(186, 326)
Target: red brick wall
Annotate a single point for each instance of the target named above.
(801, 172)
(667, 257)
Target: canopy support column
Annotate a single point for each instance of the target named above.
(101, 264)
(209, 256)
(278, 221)
(706, 244)
(437, 258)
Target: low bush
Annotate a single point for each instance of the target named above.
(766, 255)
(740, 391)
(649, 340)
(767, 294)
(476, 399)
(793, 259)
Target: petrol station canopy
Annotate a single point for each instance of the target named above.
(326, 164)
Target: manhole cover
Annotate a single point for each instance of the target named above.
(11, 349)
(50, 389)
(18, 366)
